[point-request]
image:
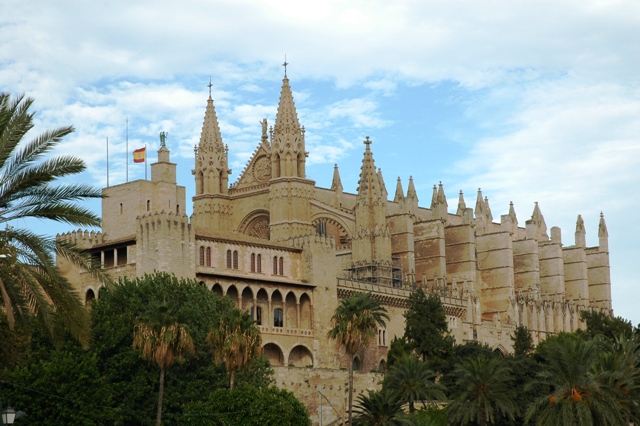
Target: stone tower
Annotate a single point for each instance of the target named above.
(290, 192)
(211, 206)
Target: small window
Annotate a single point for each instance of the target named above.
(277, 317)
(177, 208)
(235, 259)
(229, 259)
(148, 205)
(281, 266)
(275, 265)
(208, 258)
(259, 263)
(253, 262)
(121, 208)
(201, 255)
(259, 315)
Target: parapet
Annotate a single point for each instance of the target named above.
(82, 238)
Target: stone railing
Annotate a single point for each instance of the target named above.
(288, 332)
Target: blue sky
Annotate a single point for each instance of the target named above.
(529, 100)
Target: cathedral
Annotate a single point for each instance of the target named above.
(288, 251)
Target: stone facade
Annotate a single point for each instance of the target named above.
(288, 251)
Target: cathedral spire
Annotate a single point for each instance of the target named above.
(288, 155)
(411, 191)
(211, 157)
(462, 206)
(369, 183)
(487, 209)
(512, 214)
(479, 210)
(442, 199)
(580, 232)
(399, 197)
(603, 235)
(336, 183)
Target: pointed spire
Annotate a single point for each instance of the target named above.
(399, 197)
(336, 184)
(287, 117)
(462, 206)
(411, 191)
(210, 137)
(434, 197)
(603, 235)
(538, 220)
(442, 199)
(487, 209)
(288, 155)
(479, 210)
(512, 214)
(580, 232)
(211, 159)
(368, 184)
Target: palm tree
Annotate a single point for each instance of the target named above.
(354, 323)
(413, 381)
(163, 341)
(382, 408)
(236, 341)
(486, 392)
(30, 283)
(579, 392)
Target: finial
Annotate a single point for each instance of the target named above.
(285, 65)
(367, 142)
(209, 85)
(601, 215)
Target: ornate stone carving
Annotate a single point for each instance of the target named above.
(262, 169)
(259, 228)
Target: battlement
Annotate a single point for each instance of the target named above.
(306, 241)
(82, 238)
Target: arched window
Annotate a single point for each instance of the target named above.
(201, 255)
(259, 263)
(258, 318)
(121, 208)
(253, 262)
(281, 266)
(229, 259)
(208, 257)
(235, 259)
(177, 208)
(148, 205)
(277, 317)
(275, 265)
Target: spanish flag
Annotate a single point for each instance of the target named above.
(139, 155)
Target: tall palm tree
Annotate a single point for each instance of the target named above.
(487, 392)
(354, 323)
(579, 392)
(30, 283)
(236, 341)
(163, 341)
(381, 408)
(412, 381)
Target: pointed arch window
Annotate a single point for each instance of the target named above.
(148, 205)
(278, 317)
(259, 263)
(253, 262)
(229, 259)
(201, 255)
(281, 266)
(275, 265)
(235, 259)
(208, 256)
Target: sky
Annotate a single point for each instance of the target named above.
(532, 100)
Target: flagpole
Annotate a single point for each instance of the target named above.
(127, 153)
(145, 161)
(107, 161)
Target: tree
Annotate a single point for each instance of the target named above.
(412, 381)
(354, 323)
(397, 349)
(522, 341)
(578, 392)
(599, 323)
(162, 340)
(30, 283)
(487, 392)
(381, 408)
(236, 341)
(248, 406)
(426, 328)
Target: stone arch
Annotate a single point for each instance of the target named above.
(274, 354)
(262, 308)
(256, 224)
(305, 312)
(336, 227)
(291, 310)
(382, 366)
(501, 350)
(277, 309)
(247, 299)
(356, 363)
(300, 356)
(217, 289)
(232, 293)
(89, 297)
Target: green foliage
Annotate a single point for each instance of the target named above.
(397, 349)
(248, 406)
(487, 392)
(426, 329)
(412, 381)
(599, 323)
(30, 283)
(460, 353)
(430, 416)
(115, 382)
(522, 341)
(381, 408)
